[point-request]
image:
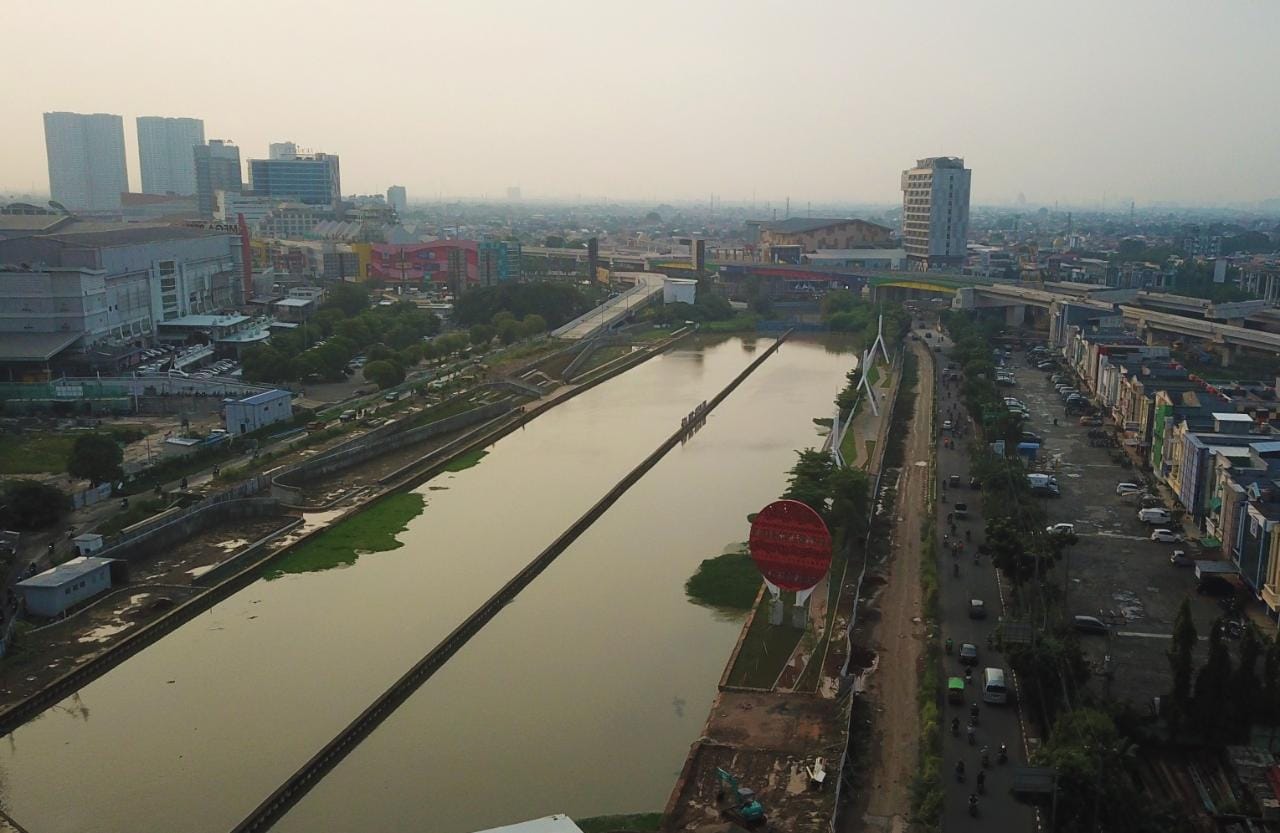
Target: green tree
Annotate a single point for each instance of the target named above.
(350, 298)
(266, 363)
(1180, 663)
(384, 374)
(532, 325)
(480, 334)
(837, 301)
(96, 457)
(1246, 687)
(807, 482)
(30, 504)
(1211, 685)
(508, 331)
(1270, 705)
(379, 353)
(850, 491)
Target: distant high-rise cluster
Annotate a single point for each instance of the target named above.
(165, 154)
(935, 212)
(87, 170)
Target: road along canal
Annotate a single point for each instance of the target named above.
(583, 696)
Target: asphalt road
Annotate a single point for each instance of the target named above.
(997, 723)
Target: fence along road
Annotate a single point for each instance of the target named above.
(300, 783)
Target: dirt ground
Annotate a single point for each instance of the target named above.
(898, 636)
(767, 741)
(45, 653)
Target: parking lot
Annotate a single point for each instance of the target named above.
(1115, 569)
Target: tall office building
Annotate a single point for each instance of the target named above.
(164, 152)
(935, 212)
(398, 198)
(217, 167)
(86, 160)
(282, 150)
(310, 178)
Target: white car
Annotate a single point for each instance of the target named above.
(946, 425)
(1126, 489)
(1061, 529)
(1166, 536)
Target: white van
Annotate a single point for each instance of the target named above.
(993, 687)
(1154, 515)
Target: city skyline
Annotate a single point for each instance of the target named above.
(1079, 109)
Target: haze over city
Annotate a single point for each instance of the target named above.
(1157, 102)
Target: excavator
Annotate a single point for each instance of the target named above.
(737, 802)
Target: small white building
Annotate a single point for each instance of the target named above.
(253, 412)
(59, 588)
(548, 824)
(679, 290)
(88, 543)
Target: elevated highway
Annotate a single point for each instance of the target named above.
(1147, 321)
(647, 289)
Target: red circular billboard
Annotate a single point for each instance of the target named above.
(791, 545)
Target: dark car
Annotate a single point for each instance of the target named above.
(977, 609)
(968, 654)
(1090, 624)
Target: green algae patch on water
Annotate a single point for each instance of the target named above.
(728, 582)
(466, 461)
(373, 530)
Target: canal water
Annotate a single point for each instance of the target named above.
(581, 697)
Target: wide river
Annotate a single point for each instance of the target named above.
(581, 697)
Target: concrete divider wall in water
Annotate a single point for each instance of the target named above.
(301, 782)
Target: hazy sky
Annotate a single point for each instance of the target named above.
(1159, 101)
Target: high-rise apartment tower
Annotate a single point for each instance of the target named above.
(86, 160)
(935, 212)
(164, 153)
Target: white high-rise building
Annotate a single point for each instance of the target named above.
(166, 156)
(86, 160)
(935, 212)
(282, 150)
(398, 198)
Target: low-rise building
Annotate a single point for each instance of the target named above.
(243, 416)
(811, 234)
(294, 310)
(60, 588)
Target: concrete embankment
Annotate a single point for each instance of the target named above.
(288, 484)
(298, 785)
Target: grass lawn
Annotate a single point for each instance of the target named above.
(849, 445)
(873, 375)
(765, 650)
(638, 822)
(373, 530)
(727, 581)
(871, 451)
(35, 452)
(466, 461)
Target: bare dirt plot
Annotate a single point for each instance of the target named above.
(766, 741)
